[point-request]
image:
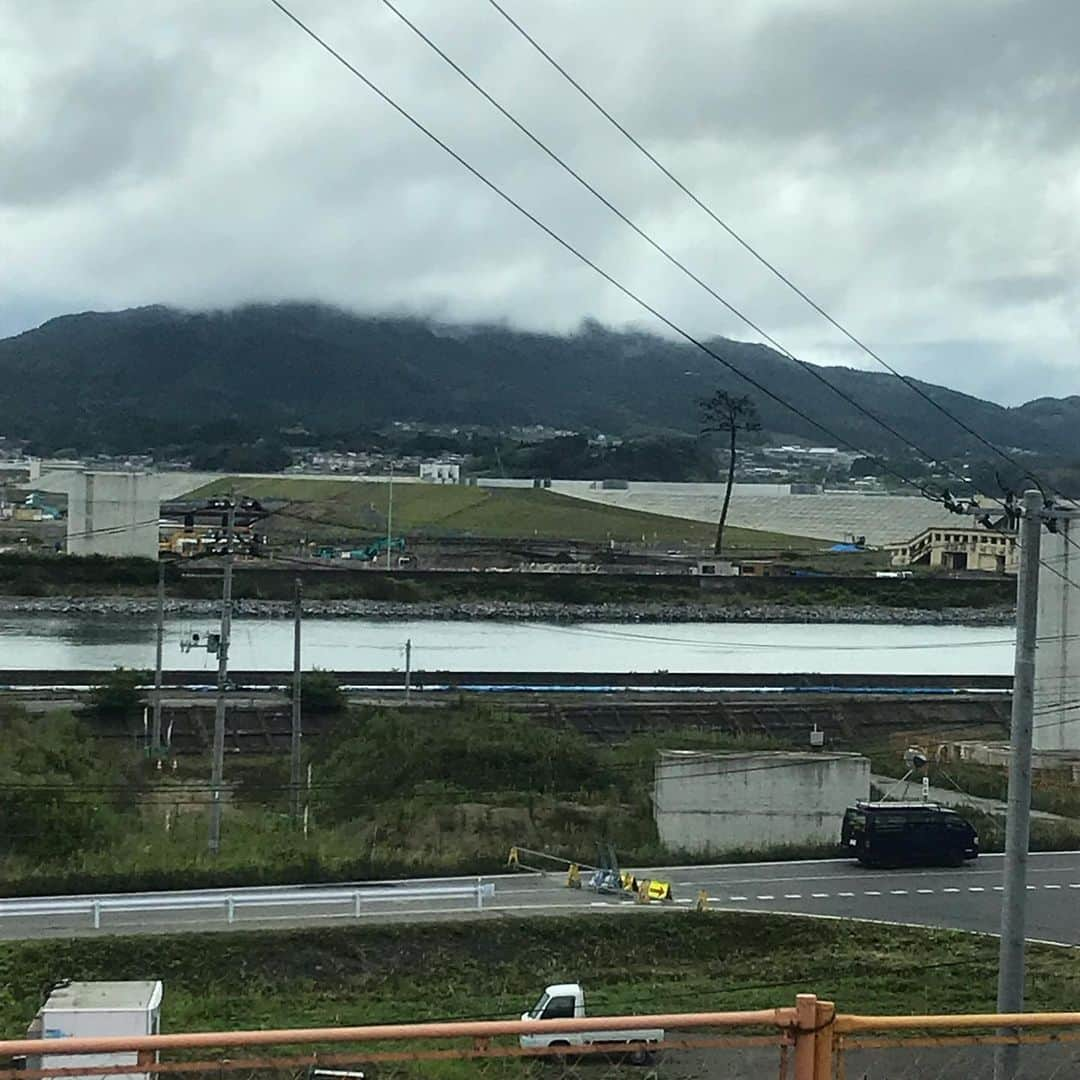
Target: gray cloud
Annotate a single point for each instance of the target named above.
(915, 165)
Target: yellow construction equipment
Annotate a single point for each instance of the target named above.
(573, 877)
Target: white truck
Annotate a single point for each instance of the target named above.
(566, 1001)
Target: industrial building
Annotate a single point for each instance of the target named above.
(708, 802)
(959, 548)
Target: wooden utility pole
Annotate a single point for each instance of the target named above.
(155, 728)
(217, 766)
(295, 778)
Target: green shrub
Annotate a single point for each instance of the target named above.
(118, 696)
(320, 692)
(56, 796)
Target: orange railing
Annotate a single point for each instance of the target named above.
(813, 1042)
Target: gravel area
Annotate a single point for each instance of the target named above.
(533, 611)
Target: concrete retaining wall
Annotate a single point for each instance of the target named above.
(719, 802)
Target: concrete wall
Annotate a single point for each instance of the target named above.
(114, 513)
(882, 519)
(719, 802)
(1057, 655)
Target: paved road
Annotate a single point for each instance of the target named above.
(968, 898)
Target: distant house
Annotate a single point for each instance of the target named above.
(953, 548)
(440, 472)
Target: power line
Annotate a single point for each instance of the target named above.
(584, 259)
(747, 246)
(808, 368)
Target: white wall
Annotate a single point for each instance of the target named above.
(114, 513)
(1057, 654)
(720, 802)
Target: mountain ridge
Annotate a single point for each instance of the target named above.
(125, 380)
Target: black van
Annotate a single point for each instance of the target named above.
(895, 833)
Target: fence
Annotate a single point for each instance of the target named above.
(271, 902)
(807, 1041)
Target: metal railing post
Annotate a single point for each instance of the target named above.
(230, 910)
(97, 914)
(806, 1006)
(479, 894)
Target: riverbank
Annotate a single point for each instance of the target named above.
(547, 611)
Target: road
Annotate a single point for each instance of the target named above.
(968, 898)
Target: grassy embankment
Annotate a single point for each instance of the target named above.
(673, 961)
(395, 793)
(348, 511)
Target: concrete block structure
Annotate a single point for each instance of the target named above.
(113, 513)
(440, 472)
(1057, 654)
(712, 802)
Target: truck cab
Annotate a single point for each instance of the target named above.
(566, 1001)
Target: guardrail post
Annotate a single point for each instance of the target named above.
(824, 1040)
(479, 894)
(805, 1028)
(356, 904)
(97, 914)
(230, 910)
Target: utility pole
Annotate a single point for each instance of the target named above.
(295, 778)
(155, 729)
(408, 667)
(217, 767)
(390, 516)
(1010, 995)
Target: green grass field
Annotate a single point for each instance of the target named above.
(343, 510)
(677, 961)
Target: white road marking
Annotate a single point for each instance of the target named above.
(793, 896)
(684, 900)
(766, 897)
(1051, 886)
(845, 894)
(734, 897)
(871, 892)
(1076, 886)
(820, 895)
(924, 892)
(999, 888)
(1032, 888)
(898, 892)
(950, 890)
(976, 888)
(599, 903)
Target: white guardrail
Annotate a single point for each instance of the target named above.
(319, 901)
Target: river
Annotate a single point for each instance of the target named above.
(99, 642)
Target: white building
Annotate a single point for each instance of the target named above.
(440, 472)
(113, 513)
(713, 802)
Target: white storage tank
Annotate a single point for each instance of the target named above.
(96, 1009)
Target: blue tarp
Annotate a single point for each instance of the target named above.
(845, 548)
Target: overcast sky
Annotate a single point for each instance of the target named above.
(913, 164)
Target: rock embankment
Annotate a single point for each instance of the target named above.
(519, 611)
